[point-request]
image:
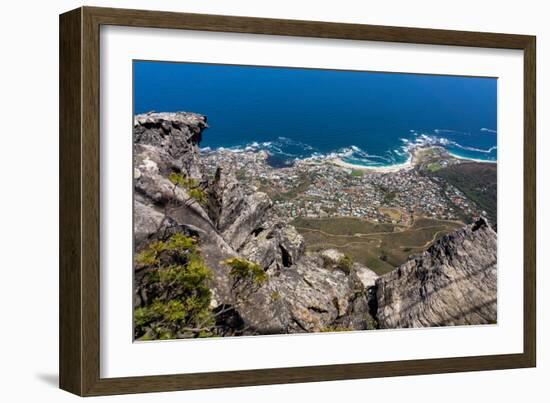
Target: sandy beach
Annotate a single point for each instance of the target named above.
(458, 157)
(407, 165)
(386, 169)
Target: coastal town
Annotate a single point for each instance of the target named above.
(320, 188)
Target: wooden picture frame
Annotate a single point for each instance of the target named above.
(80, 186)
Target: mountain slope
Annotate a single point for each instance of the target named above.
(239, 236)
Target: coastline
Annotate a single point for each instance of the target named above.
(404, 166)
(407, 165)
(458, 157)
(339, 161)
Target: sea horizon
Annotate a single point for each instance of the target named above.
(367, 119)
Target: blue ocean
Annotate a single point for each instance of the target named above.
(366, 118)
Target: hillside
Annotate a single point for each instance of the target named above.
(478, 181)
(380, 246)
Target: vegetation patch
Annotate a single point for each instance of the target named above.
(380, 247)
(478, 182)
(372, 324)
(180, 303)
(191, 185)
(345, 263)
(243, 270)
(348, 226)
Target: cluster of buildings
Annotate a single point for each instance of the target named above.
(317, 188)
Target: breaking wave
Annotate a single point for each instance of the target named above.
(284, 151)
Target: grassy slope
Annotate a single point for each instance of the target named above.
(478, 181)
(381, 247)
(342, 225)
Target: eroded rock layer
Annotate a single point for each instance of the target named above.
(454, 282)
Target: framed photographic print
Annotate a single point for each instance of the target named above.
(249, 201)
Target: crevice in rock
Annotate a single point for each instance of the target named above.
(317, 309)
(336, 305)
(372, 302)
(295, 320)
(481, 223)
(308, 282)
(257, 231)
(285, 256)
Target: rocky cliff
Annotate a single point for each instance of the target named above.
(454, 282)
(237, 231)
(212, 257)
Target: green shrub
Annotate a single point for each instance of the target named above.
(149, 256)
(182, 181)
(242, 270)
(345, 263)
(184, 300)
(170, 311)
(191, 185)
(179, 243)
(372, 324)
(199, 195)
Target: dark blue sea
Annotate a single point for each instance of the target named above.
(366, 118)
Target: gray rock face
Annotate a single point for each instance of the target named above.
(177, 134)
(147, 221)
(453, 283)
(273, 243)
(308, 298)
(301, 294)
(242, 212)
(247, 220)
